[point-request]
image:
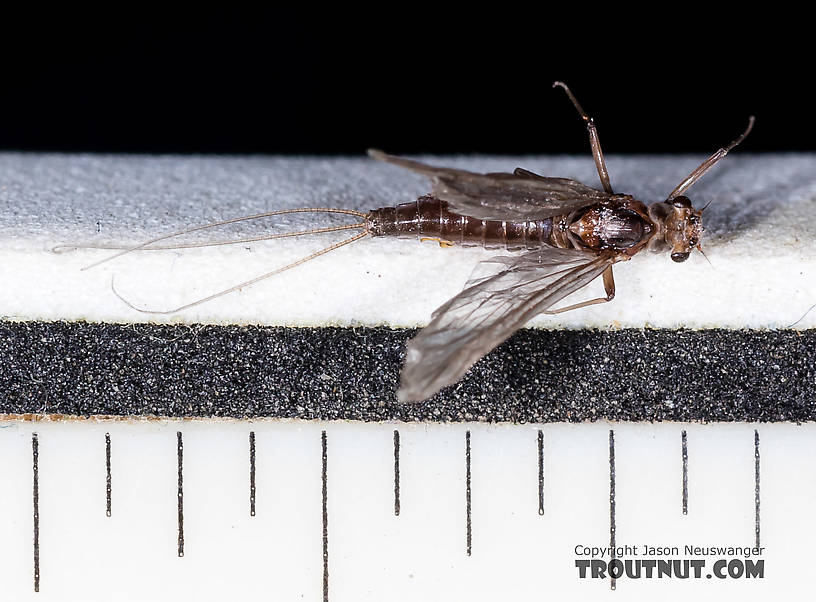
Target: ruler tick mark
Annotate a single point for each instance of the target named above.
(541, 472)
(756, 485)
(467, 492)
(325, 480)
(612, 581)
(107, 474)
(180, 495)
(35, 452)
(684, 452)
(252, 473)
(396, 473)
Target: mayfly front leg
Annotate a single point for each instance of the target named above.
(594, 141)
(609, 288)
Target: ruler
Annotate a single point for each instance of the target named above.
(299, 510)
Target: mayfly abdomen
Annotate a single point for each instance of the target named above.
(430, 217)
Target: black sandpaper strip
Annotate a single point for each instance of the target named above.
(85, 369)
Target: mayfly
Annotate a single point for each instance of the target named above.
(564, 235)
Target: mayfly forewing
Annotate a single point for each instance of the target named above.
(489, 310)
(519, 196)
(417, 166)
(526, 173)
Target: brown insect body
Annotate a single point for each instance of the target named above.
(429, 217)
(579, 233)
(618, 224)
(613, 225)
(564, 234)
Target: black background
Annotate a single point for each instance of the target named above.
(312, 81)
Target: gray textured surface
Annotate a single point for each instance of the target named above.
(760, 239)
(338, 373)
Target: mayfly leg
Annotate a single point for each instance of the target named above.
(594, 141)
(609, 289)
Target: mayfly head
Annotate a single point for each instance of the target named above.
(683, 228)
(680, 227)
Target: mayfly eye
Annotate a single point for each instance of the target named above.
(679, 257)
(681, 202)
(693, 242)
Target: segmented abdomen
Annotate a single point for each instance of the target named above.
(428, 216)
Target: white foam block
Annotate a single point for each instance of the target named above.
(760, 233)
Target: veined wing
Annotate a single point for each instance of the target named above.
(489, 310)
(518, 196)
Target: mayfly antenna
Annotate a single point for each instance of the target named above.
(709, 163)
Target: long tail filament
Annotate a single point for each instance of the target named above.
(232, 289)
(151, 246)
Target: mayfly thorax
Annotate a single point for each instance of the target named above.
(562, 235)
